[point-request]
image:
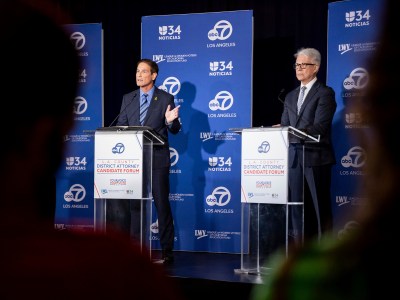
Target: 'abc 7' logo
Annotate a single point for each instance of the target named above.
(264, 147)
(356, 158)
(220, 197)
(78, 39)
(358, 79)
(222, 101)
(80, 105)
(76, 193)
(171, 85)
(221, 31)
(119, 148)
(173, 156)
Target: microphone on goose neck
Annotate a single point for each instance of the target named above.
(121, 112)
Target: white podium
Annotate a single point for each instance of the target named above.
(266, 225)
(122, 170)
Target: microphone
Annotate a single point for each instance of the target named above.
(282, 101)
(279, 96)
(112, 123)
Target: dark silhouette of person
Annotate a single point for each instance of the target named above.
(349, 267)
(40, 73)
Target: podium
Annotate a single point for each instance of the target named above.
(123, 158)
(269, 220)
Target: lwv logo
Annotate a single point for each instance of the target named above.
(200, 233)
(158, 58)
(342, 200)
(343, 48)
(205, 136)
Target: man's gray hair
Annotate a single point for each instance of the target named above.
(312, 53)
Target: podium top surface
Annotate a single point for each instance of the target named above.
(125, 128)
(148, 131)
(256, 129)
(294, 131)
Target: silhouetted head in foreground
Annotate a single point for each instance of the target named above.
(39, 67)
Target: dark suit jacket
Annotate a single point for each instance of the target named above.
(315, 118)
(155, 118)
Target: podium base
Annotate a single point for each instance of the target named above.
(256, 272)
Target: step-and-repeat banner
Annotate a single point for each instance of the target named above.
(353, 30)
(74, 181)
(205, 62)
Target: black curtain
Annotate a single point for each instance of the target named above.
(280, 28)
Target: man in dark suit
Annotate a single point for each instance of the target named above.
(312, 112)
(153, 107)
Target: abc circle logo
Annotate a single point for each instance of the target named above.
(76, 193)
(358, 79)
(356, 158)
(78, 39)
(171, 85)
(221, 31)
(119, 148)
(264, 147)
(220, 197)
(80, 105)
(222, 101)
(174, 156)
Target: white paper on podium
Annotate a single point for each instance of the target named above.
(118, 165)
(264, 166)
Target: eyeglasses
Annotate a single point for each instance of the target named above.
(302, 66)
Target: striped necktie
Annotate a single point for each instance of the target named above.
(301, 99)
(143, 108)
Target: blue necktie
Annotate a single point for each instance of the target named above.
(301, 99)
(143, 108)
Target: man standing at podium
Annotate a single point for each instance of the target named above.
(155, 108)
(310, 108)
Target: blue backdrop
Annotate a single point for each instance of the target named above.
(74, 182)
(353, 29)
(205, 61)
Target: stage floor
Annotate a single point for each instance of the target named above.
(204, 275)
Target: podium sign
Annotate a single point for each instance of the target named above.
(264, 165)
(123, 160)
(265, 222)
(118, 164)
